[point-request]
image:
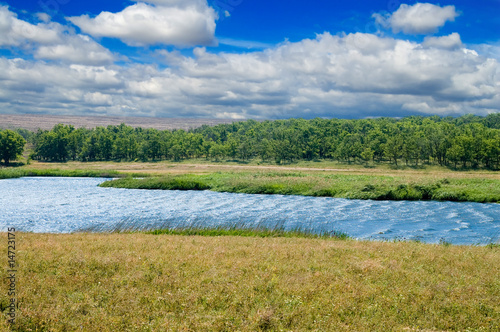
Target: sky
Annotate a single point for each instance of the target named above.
(249, 59)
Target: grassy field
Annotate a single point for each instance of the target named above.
(376, 187)
(142, 282)
(305, 178)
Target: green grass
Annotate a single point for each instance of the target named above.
(10, 173)
(431, 184)
(144, 282)
(248, 231)
(376, 187)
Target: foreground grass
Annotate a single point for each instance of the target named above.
(355, 186)
(130, 282)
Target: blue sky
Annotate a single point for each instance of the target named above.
(249, 59)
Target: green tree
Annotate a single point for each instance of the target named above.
(367, 155)
(393, 147)
(244, 150)
(53, 145)
(11, 145)
(217, 151)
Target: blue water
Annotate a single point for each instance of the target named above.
(62, 205)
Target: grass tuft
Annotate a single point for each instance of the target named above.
(248, 231)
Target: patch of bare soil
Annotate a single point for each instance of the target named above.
(36, 121)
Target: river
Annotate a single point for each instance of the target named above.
(63, 205)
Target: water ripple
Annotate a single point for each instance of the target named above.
(62, 205)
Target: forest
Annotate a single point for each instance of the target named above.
(464, 142)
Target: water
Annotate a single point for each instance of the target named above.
(62, 205)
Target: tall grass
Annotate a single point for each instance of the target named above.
(376, 187)
(132, 282)
(236, 229)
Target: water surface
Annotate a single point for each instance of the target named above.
(62, 205)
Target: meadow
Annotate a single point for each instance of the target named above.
(305, 178)
(375, 187)
(146, 282)
(257, 280)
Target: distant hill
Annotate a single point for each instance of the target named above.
(33, 122)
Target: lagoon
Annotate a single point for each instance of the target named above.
(64, 205)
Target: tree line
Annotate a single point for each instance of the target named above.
(464, 142)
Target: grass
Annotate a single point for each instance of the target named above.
(324, 178)
(132, 282)
(354, 186)
(249, 231)
(9, 173)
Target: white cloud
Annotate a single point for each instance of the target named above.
(170, 22)
(15, 32)
(98, 99)
(76, 49)
(452, 41)
(50, 41)
(43, 17)
(355, 75)
(421, 18)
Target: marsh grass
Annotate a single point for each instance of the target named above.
(9, 173)
(355, 186)
(239, 229)
(131, 282)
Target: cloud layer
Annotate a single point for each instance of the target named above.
(353, 75)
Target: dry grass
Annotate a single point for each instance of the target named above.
(325, 167)
(131, 282)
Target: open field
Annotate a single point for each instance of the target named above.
(130, 282)
(194, 166)
(47, 122)
(311, 179)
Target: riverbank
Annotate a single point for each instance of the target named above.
(111, 282)
(18, 172)
(308, 179)
(339, 185)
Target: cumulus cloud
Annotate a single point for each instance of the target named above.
(50, 40)
(15, 32)
(355, 75)
(169, 22)
(419, 19)
(76, 49)
(452, 41)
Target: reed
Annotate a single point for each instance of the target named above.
(250, 231)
